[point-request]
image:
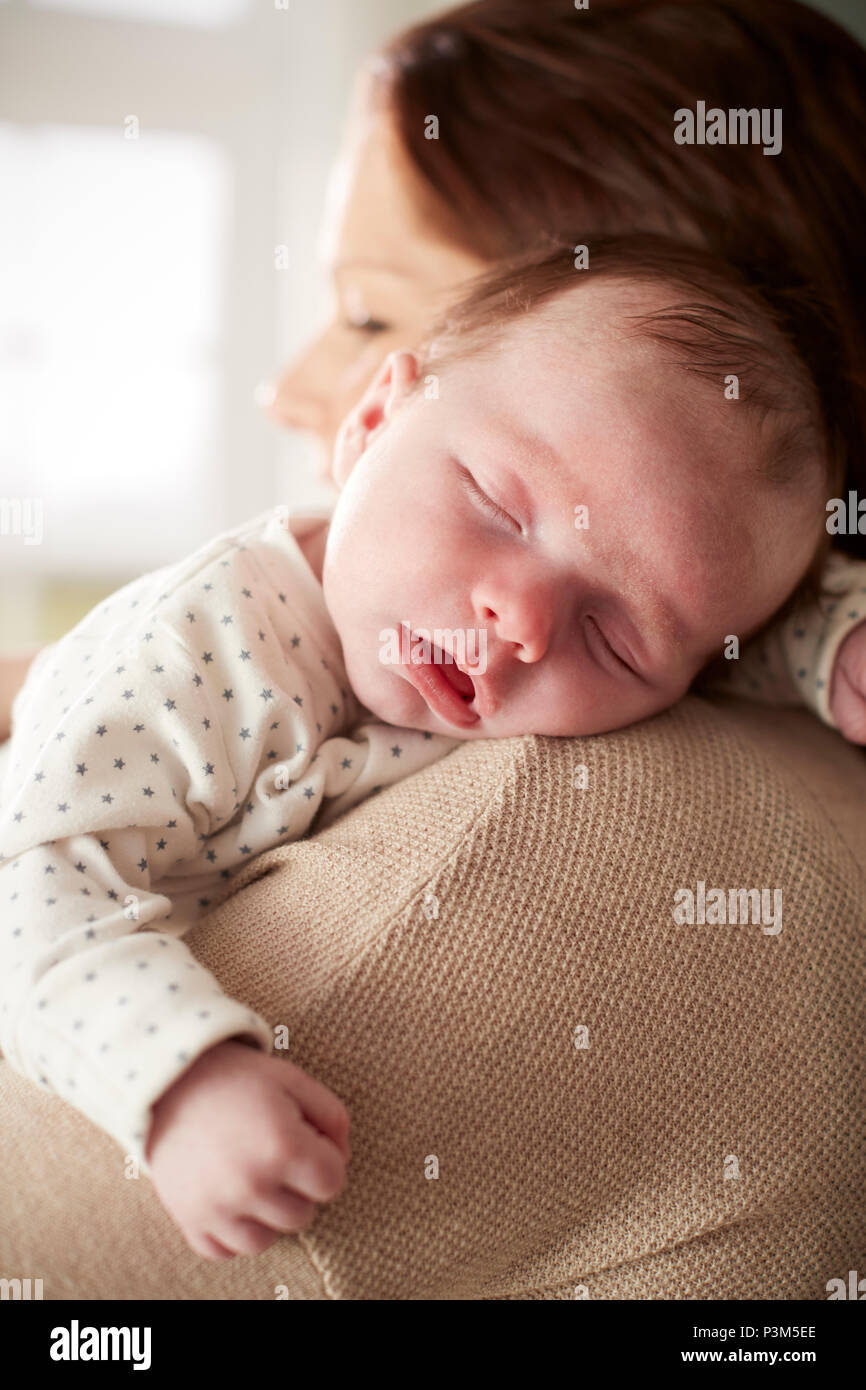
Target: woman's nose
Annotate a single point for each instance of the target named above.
(289, 400)
(295, 396)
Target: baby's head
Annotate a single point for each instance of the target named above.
(586, 484)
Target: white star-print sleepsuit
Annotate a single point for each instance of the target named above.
(199, 716)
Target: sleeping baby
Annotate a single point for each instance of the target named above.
(551, 521)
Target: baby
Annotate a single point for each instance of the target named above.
(568, 488)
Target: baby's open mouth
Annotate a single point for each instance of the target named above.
(448, 691)
(462, 683)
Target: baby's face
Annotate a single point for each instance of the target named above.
(572, 510)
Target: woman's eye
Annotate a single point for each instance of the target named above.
(599, 639)
(367, 325)
(486, 503)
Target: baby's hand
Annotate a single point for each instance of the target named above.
(240, 1148)
(848, 687)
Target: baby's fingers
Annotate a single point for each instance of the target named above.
(848, 691)
(848, 707)
(247, 1235)
(209, 1248)
(265, 1219)
(314, 1167)
(282, 1210)
(320, 1106)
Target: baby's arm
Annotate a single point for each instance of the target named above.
(100, 1000)
(98, 1004)
(815, 656)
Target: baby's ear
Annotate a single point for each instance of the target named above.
(376, 406)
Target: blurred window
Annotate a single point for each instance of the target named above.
(205, 14)
(111, 281)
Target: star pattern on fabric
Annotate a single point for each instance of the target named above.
(225, 686)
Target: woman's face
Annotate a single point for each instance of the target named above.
(391, 271)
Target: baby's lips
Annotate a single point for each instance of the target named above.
(486, 702)
(461, 681)
(456, 675)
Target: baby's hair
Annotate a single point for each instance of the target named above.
(714, 326)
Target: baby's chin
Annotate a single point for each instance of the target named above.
(388, 696)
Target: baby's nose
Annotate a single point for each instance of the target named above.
(521, 626)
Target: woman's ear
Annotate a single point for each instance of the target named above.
(374, 409)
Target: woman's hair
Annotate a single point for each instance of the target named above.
(556, 124)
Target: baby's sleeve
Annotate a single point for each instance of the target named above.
(101, 1002)
(791, 662)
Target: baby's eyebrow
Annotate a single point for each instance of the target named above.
(531, 444)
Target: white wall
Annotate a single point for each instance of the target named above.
(267, 91)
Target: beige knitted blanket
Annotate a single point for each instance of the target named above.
(556, 1090)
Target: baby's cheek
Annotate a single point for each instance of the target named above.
(592, 702)
(378, 687)
(564, 703)
(655, 699)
